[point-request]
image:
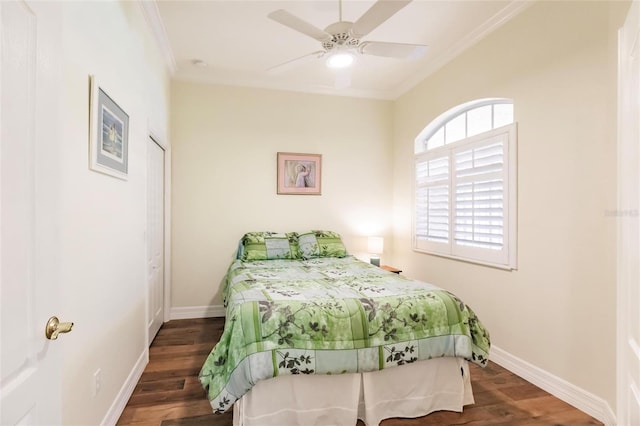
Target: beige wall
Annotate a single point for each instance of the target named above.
(225, 142)
(103, 219)
(557, 61)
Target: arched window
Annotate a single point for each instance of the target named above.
(465, 184)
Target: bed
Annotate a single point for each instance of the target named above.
(315, 336)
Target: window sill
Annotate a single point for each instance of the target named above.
(511, 267)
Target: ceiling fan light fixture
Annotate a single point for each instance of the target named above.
(340, 60)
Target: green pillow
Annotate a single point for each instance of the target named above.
(269, 245)
(321, 244)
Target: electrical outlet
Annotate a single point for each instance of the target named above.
(97, 382)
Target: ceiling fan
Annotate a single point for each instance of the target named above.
(342, 40)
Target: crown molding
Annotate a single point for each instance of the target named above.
(496, 21)
(195, 77)
(152, 15)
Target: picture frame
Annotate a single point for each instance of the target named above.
(108, 133)
(299, 174)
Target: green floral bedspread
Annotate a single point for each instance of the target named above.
(331, 316)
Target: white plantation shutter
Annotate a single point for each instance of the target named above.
(432, 201)
(479, 216)
(464, 195)
(479, 196)
(481, 199)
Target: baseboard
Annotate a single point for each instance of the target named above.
(584, 401)
(197, 312)
(118, 405)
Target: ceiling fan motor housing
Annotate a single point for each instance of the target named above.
(341, 36)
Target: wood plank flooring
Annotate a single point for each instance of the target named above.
(169, 393)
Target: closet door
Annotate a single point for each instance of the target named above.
(628, 410)
(155, 237)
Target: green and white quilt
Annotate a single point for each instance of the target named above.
(331, 316)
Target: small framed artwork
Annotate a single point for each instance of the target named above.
(109, 133)
(299, 174)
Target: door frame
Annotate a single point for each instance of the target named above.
(162, 143)
(627, 216)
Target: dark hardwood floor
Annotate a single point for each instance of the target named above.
(169, 393)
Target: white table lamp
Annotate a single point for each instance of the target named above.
(376, 245)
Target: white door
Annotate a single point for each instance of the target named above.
(155, 237)
(628, 410)
(29, 131)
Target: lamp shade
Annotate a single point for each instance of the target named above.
(376, 245)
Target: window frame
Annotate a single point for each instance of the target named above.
(506, 258)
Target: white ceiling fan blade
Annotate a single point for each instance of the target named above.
(376, 15)
(295, 62)
(288, 20)
(392, 50)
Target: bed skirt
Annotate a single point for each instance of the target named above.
(409, 391)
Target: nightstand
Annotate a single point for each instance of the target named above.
(391, 269)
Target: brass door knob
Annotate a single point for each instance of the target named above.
(55, 327)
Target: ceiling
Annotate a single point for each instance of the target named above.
(239, 43)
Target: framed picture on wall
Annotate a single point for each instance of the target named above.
(299, 174)
(108, 133)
